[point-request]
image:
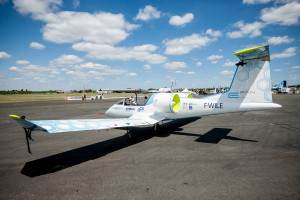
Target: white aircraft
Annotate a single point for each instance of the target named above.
(250, 90)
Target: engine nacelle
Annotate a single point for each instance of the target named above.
(166, 102)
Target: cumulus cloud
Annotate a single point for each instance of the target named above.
(22, 62)
(181, 21)
(4, 55)
(174, 65)
(70, 27)
(256, 1)
(280, 40)
(182, 72)
(287, 14)
(35, 70)
(246, 30)
(277, 70)
(184, 45)
(214, 57)
(214, 33)
(66, 60)
(108, 52)
(289, 52)
(199, 64)
(147, 67)
(131, 74)
(36, 8)
(36, 45)
(226, 72)
(229, 63)
(147, 13)
(295, 67)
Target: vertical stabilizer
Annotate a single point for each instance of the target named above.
(252, 79)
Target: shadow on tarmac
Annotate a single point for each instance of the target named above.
(80, 155)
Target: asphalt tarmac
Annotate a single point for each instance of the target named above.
(249, 155)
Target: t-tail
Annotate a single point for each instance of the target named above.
(251, 83)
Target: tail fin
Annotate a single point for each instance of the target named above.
(282, 84)
(252, 78)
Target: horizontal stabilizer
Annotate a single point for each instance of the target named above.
(261, 52)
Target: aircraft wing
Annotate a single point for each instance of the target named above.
(57, 126)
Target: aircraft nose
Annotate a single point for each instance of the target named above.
(109, 112)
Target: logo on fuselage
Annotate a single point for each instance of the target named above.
(140, 109)
(213, 105)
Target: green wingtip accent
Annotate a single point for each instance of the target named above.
(15, 117)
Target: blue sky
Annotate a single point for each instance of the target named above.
(72, 44)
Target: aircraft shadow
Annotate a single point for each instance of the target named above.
(80, 155)
(215, 136)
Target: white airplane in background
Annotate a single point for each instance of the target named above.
(250, 90)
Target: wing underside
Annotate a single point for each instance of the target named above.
(57, 126)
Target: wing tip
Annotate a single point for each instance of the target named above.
(248, 50)
(15, 116)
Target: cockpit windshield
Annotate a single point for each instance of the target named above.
(131, 101)
(120, 102)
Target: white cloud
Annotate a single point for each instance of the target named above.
(181, 21)
(70, 27)
(289, 52)
(131, 74)
(4, 55)
(147, 67)
(294, 76)
(280, 40)
(174, 65)
(214, 57)
(36, 45)
(22, 62)
(179, 46)
(182, 72)
(35, 70)
(102, 70)
(214, 62)
(225, 72)
(36, 8)
(199, 64)
(66, 60)
(108, 52)
(229, 63)
(296, 67)
(148, 13)
(277, 70)
(214, 33)
(256, 1)
(246, 30)
(287, 14)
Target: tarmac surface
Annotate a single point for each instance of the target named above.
(248, 155)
